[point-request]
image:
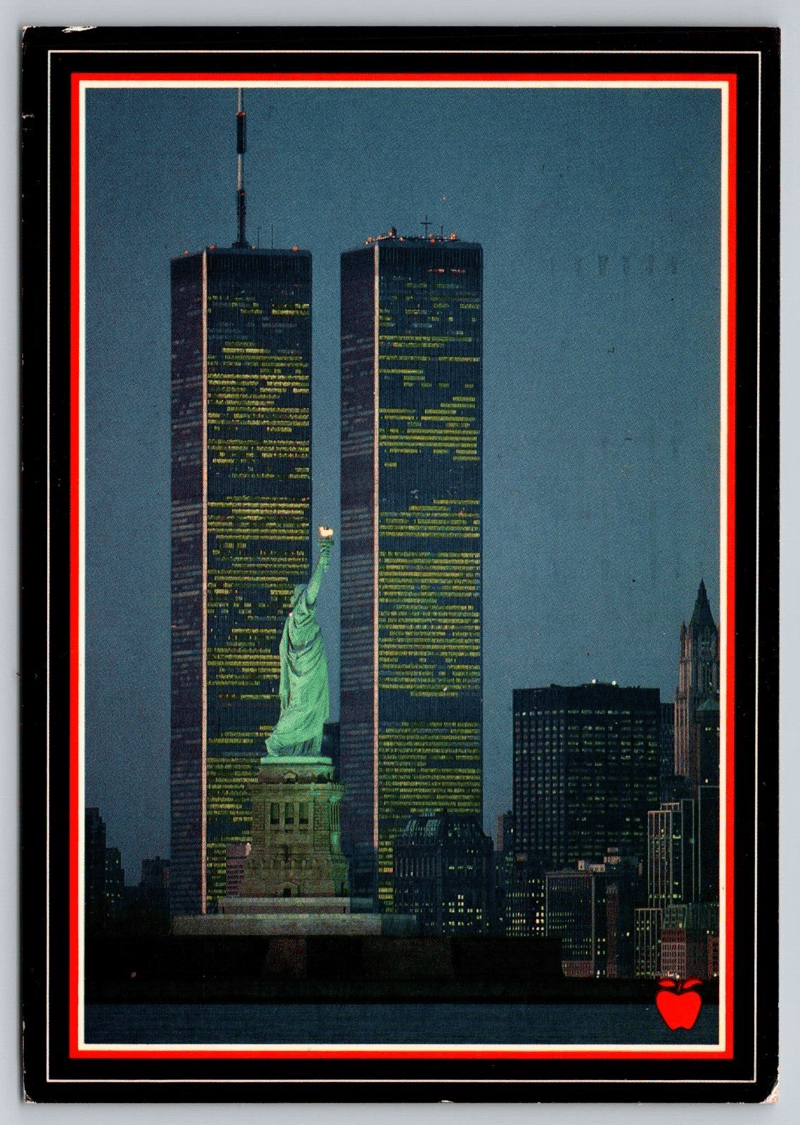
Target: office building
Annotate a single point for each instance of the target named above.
(103, 875)
(241, 504)
(411, 537)
(707, 847)
(518, 885)
(115, 882)
(591, 908)
(647, 941)
(94, 861)
(666, 751)
(154, 884)
(690, 941)
(671, 848)
(585, 770)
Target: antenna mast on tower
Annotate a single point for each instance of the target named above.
(241, 147)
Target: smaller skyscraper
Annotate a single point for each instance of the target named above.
(411, 716)
(689, 941)
(647, 922)
(671, 864)
(591, 908)
(707, 845)
(443, 873)
(585, 770)
(94, 861)
(241, 529)
(103, 877)
(154, 885)
(666, 742)
(698, 682)
(519, 886)
(115, 882)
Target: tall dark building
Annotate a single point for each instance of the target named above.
(585, 770)
(411, 536)
(241, 504)
(698, 682)
(443, 867)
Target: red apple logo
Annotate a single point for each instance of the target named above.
(678, 1003)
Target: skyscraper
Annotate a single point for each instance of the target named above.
(241, 505)
(585, 770)
(411, 536)
(698, 682)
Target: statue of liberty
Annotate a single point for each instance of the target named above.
(305, 701)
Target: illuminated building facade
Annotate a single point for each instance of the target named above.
(411, 537)
(241, 504)
(591, 908)
(585, 770)
(443, 867)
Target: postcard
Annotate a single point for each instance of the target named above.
(400, 564)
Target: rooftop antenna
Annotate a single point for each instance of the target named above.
(241, 148)
(426, 223)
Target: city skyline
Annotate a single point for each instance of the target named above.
(598, 212)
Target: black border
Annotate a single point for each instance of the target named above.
(756, 571)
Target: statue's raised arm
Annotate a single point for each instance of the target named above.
(304, 696)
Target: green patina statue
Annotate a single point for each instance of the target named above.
(305, 701)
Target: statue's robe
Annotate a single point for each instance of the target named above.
(305, 700)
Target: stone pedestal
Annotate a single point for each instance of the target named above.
(296, 851)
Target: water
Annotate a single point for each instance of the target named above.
(518, 1024)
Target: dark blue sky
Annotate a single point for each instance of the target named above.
(598, 212)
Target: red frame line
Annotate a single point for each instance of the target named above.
(76, 326)
(730, 568)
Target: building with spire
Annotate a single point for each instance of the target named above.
(698, 683)
(241, 536)
(411, 719)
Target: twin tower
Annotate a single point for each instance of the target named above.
(411, 527)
